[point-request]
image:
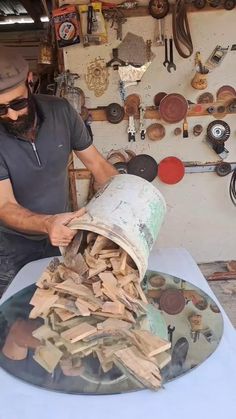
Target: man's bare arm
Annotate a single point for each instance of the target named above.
(101, 169)
(21, 219)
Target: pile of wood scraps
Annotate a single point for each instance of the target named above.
(228, 273)
(93, 304)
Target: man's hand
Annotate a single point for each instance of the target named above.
(57, 230)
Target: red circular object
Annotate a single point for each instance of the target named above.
(171, 170)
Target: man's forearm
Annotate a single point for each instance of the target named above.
(18, 218)
(104, 172)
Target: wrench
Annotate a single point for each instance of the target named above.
(166, 53)
(171, 61)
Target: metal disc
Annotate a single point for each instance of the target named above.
(218, 131)
(143, 166)
(206, 97)
(158, 97)
(173, 108)
(158, 8)
(197, 130)
(172, 301)
(232, 106)
(199, 4)
(229, 4)
(225, 91)
(223, 169)
(115, 113)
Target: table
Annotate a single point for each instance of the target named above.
(207, 391)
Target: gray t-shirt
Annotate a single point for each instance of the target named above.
(39, 177)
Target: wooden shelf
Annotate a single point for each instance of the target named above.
(99, 114)
(144, 11)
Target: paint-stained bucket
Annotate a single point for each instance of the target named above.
(129, 211)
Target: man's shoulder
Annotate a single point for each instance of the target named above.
(51, 101)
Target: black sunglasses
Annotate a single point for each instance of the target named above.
(16, 105)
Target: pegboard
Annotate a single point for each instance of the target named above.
(200, 214)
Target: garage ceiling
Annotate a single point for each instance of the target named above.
(24, 9)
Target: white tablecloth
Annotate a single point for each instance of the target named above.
(206, 392)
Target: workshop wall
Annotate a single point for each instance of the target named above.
(200, 215)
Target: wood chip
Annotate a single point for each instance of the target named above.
(143, 370)
(90, 260)
(83, 308)
(101, 267)
(48, 356)
(79, 332)
(91, 237)
(75, 348)
(77, 264)
(64, 314)
(97, 288)
(100, 243)
(45, 279)
(123, 262)
(125, 280)
(66, 273)
(150, 344)
(106, 365)
(109, 281)
(162, 359)
(44, 332)
(42, 301)
(113, 307)
(141, 293)
(108, 254)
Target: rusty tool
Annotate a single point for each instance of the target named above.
(166, 62)
(171, 63)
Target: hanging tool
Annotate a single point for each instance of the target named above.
(115, 62)
(159, 34)
(221, 168)
(131, 129)
(159, 9)
(216, 57)
(90, 19)
(142, 128)
(171, 63)
(118, 19)
(185, 128)
(166, 62)
(181, 30)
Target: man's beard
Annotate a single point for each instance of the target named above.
(24, 123)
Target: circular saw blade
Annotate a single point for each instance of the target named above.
(143, 166)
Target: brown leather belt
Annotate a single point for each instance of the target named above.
(181, 31)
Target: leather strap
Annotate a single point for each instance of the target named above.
(181, 31)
